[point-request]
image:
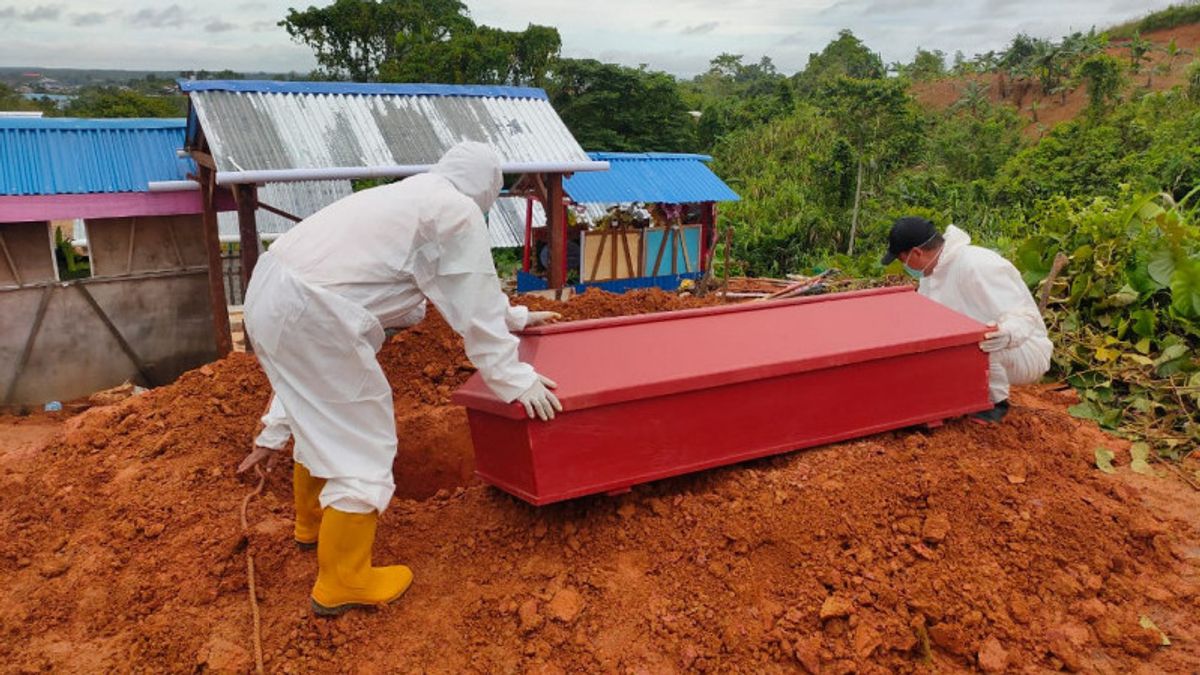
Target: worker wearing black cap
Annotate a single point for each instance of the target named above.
(983, 285)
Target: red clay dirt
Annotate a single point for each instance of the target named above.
(997, 548)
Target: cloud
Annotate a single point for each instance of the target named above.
(171, 16)
(93, 18)
(659, 25)
(39, 13)
(253, 4)
(700, 28)
(261, 26)
(218, 26)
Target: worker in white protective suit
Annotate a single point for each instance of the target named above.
(983, 285)
(315, 313)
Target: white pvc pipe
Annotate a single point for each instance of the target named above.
(355, 172)
(173, 185)
(235, 238)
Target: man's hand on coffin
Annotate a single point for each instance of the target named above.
(540, 318)
(539, 401)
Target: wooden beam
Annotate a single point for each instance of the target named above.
(247, 203)
(204, 160)
(216, 281)
(43, 303)
(8, 258)
(279, 212)
(556, 220)
(141, 366)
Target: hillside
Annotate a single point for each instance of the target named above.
(1045, 111)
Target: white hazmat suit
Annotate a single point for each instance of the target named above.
(319, 301)
(983, 285)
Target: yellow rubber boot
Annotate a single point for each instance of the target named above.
(345, 579)
(307, 493)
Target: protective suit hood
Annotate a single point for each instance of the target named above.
(955, 242)
(474, 169)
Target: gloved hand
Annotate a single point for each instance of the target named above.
(996, 339)
(540, 401)
(539, 318)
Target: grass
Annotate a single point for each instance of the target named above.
(1171, 17)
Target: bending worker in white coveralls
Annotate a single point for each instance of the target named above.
(978, 282)
(315, 312)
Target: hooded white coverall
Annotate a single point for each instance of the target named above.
(983, 285)
(319, 300)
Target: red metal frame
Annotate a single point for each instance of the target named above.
(653, 396)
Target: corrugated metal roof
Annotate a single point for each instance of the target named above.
(286, 125)
(649, 177)
(506, 221)
(51, 156)
(298, 199)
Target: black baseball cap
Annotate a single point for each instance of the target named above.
(907, 234)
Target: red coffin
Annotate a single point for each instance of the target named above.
(652, 396)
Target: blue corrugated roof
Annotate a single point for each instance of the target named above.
(649, 177)
(362, 89)
(50, 156)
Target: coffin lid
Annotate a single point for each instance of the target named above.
(606, 361)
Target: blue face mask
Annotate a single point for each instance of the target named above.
(916, 274)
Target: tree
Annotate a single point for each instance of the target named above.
(611, 107)
(114, 102)
(1139, 53)
(1193, 81)
(12, 101)
(480, 55)
(352, 39)
(1103, 75)
(845, 56)
(879, 119)
(927, 65)
(734, 95)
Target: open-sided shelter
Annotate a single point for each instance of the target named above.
(243, 134)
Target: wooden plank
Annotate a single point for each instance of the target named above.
(279, 212)
(8, 257)
(110, 205)
(38, 318)
(216, 285)
(142, 369)
(247, 201)
(556, 218)
(204, 159)
(132, 236)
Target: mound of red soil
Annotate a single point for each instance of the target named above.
(967, 547)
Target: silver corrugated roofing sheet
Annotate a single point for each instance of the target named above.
(506, 221)
(298, 199)
(278, 126)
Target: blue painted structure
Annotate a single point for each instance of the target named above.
(527, 282)
(669, 178)
(689, 263)
(55, 156)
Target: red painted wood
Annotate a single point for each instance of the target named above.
(106, 205)
(686, 391)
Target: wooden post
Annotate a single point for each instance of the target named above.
(247, 204)
(556, 217)
(707, 221)
(212, 245)
(528, 234)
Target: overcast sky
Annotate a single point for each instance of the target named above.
(679, 36)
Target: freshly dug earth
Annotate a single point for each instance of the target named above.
(998, 548)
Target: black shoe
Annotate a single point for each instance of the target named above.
(993, 416)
